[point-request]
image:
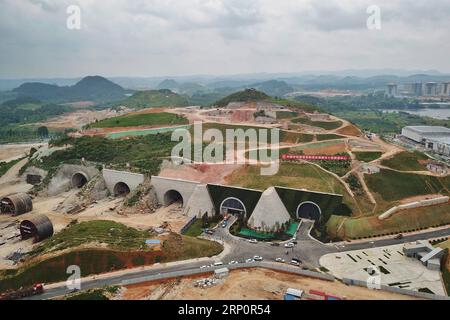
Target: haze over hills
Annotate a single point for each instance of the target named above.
(155, 98)
(91, 88)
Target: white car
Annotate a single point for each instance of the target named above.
(249, 260)
(203, 267)
(289, 245)
(253, 241)
(295, 263)
(257, 258)
(217, 264)
(233, 262)
(280, 260)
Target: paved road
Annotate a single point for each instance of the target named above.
(307, 250)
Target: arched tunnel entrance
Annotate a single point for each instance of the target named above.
(233, 206)
(309, 210)
(79, 179)
(121, 189)
(173, 196)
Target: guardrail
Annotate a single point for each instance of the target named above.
(187, 225)
(196, 271)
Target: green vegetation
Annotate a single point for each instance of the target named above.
(179, 247)
(196, 228)
(96, 261)
(364, 112)
(146, 119)
(155, 98)
(367, 156)
(94, 294)
(114, 235)
(252, 95)
(406, 161)
(247, 95)
(5, 166)
(401, 222)
(327, 125)
(27, 110)
(392, 185)
(91, 88)
(322, 137)
(286, 114)
(144, 153)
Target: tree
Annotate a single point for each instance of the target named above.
(42, 132)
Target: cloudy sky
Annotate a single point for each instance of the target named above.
(185, 37)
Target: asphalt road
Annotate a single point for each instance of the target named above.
(307, 250)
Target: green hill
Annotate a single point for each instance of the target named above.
(247, 95)
(155, 98)
(91, 88)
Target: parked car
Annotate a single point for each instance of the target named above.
(203, 267)
(289, 245)
(275, 244)
(249, 260)
(295, 263)
(253, 241)
(399, 236)
(217, 264)
(224, 224)
(233, 262)
(210, 232)
(257, 258)
(280, 260)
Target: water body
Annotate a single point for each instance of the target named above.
(441, 114)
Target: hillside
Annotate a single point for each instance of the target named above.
(253, 95)
(274, 88)
(247, 95)
(155, 98)
(91, 88)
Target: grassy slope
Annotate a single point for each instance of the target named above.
(367, 156)
(393, 186)
(146, 119)
(407, 220)
(406, 161)
(327, 125)
(446, 265)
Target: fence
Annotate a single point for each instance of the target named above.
(267, 265)
(383, 287)
(187, 225)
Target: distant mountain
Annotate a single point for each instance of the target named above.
(155, 98)
(274, 88)
(247, 95)
(91, 88)
(169, 84)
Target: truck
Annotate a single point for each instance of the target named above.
(34, 290)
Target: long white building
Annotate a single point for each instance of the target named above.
(432, 137)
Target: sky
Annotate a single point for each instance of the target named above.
(192, 37)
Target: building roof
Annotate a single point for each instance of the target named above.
(443, 139)
(429, 129)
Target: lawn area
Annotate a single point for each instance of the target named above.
(446, 265)
(322, 137)
(114, 235)
(196, 228)
(392, 185)
(404, 221)
(145, 119)
(327, 125)
(406, 161)
(178, 247)
(367, 156)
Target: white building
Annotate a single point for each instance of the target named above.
(432, 137)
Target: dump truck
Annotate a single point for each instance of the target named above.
(34, 290)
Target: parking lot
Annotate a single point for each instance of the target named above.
(395, 269)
